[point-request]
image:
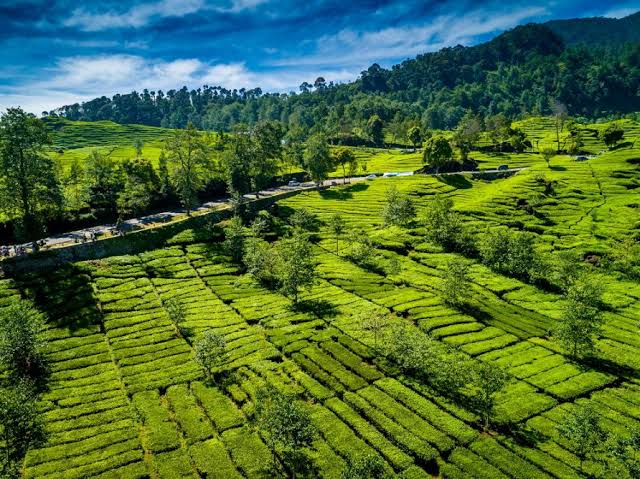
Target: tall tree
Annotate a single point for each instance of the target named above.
(582, 430)
(488, 379)
(190, 162)
(287, 428)
(456, 282)
(467, 134)
(317, 159)
(560, 116)
(415, 136)
(105, 183)
(210, 351)
(296, 268)
(375, 130)
(267, 137)
(344, 157)
(337, 225)
(29, 186)
(140, 187)
(612, 135)
(581, 319)
(437, 152)
(21, 340)
(398, 208)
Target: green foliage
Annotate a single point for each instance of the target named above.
(510, 252)
(612, 135)
(261, 262)
(22, 426)
(365, 467)
(296, 268)
(398, 208)
(140, 186)
(437, 152)
(547, 154)
(443, 225)
(189, 159)
(303, 220)
(374, 130)
(581, 320)
(374, 322)
(337, 226)
(29, 186)
(286, 425)
(466, 135)
(210, 351)
(487, 379)
(347, 160)
(414, 135)
(317, 158)
(456, 283)
(625, 257)
(582, 430)
(234, 239)
(21, 340)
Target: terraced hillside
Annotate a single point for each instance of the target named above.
(126, 398)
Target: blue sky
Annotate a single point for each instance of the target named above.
(54, 52)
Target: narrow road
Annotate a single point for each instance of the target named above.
(95, 232)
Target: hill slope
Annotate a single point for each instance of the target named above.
(598, 31)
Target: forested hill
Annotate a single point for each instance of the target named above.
(522, 71)
(598, 31)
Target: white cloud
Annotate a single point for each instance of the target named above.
(349, 47)
(77, 79)
(142, 14)
(137, 16)
(621, 12)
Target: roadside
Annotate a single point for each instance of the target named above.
(95, 233)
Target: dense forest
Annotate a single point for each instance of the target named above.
(522, 71)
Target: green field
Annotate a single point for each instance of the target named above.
(127, 400)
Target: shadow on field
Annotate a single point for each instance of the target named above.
(343, 193)
(319, 307)
(558, 168)
(457, 181)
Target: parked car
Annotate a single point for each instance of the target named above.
(503, 167)
(293, 183)
(372, 176)
(389, 174)
(334, 183)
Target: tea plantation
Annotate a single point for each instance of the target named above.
(126, 399)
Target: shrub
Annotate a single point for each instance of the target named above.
(398, 209)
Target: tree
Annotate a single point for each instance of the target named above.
(140, 187)
(237, 162)
(437, 152)
(303, 220)
(581, 319)
(22, 426)
(296, 269)
(582, 430)
(567, 269)
(21, 340)
(374, 322)
(337, 225)
(443, 225)
(286, 427)
(29, 185)
(317, 159)
(375, 130)
(261, 262)
(165, 187)
(234, 235)
(560, 116)
(210, 351)
(398, 208)
(489, 379)
(467, 134)
(177, 314)
(345, 157)
(509, 252)
(75, 184)
(415, 136)
(267, 137)
(188, 158)
(624, 453)
(369, 466)
(105, 183)
(138, 145)
(612, 135)
(547, 154)
(456, 282)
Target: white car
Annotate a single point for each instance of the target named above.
(293, 183)
(372, 176)
(390, 174)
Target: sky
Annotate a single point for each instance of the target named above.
(56, 52)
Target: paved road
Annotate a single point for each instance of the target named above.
(95, 232)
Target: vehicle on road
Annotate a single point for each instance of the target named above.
(293, 183)
(503, 167)
(389, 174)
(372, 176)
